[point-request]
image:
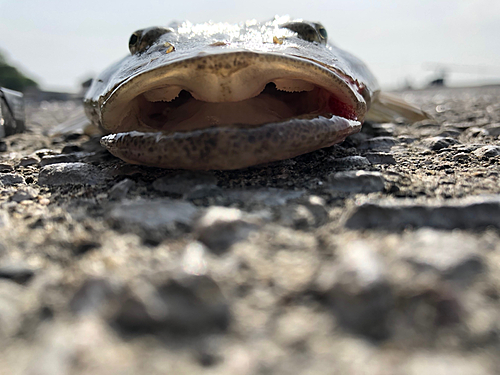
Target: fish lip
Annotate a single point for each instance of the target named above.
(229, 148)
(129, 88)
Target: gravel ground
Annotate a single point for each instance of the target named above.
(377, 256)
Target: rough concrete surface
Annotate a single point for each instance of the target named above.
(377, 256)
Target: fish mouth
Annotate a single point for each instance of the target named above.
(230, 111)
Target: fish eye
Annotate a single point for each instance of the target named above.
(133, 40)
(312, 32)
(141, 40)
(322, 32)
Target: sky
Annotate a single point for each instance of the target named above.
(60, 43)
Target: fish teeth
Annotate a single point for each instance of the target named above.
(163, 94)
(293, 85)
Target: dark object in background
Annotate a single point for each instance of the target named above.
(11, 112)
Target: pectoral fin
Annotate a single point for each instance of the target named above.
(76, 123)
(389, 107)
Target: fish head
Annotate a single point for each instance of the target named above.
(190, 84)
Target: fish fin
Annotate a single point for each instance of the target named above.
(389, 107)
(76, 123)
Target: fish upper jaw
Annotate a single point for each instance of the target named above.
(228, 78)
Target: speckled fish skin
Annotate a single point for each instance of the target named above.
(214, 61)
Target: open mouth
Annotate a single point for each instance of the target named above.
(228, 118)
(174, 109)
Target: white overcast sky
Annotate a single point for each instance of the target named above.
(62, 42)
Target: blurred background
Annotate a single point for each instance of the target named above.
(58, 44)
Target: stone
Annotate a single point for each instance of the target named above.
(461, 157)
(120, 189)
(189, 305)
(93, 296)
(356, 182)
(155, 219)
(70, 149)
(406, 139)
(10, 309)
(3, 146)
(489, 151)
(457, 258)
(357, 290)
(203, 191)
(8, 179)
(29, 160)
(4, 219)
(267, 197)
(24, 194)
(477, 132)
(378, 143)
(493, 129)
(380, 158)
(221, 227)
(450, 132)
(294, 270)
(317, 206)
(438, 143)
(308, 213)
(376, 129)
(194, 260)
(62, 158)
(71, 174)
(18, 273)
(6, 168)
(469, 213)
(44, 152)
(430, 362)
(184, 182)
(353, 162)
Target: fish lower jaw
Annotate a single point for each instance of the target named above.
(226, 148)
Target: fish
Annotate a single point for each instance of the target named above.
(221, 96)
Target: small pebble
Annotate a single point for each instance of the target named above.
(487, 151)
(8, 179)
(183, 182)
(378, 143)
(6, 168)
(70, 149)
(153, 219)
(356, 182)
(17, 273)
(29, 160)
(24, 194)
(469, 213)
(457, 259)
(360, 295)
(190, 305)
(267, 197)
(438, 143)
(221, 227)
(356, 162)
(493, 129)
(62, 158)
(4, 219)
(71, 173)
(44, 152)
(120, 190)
(380, 158)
